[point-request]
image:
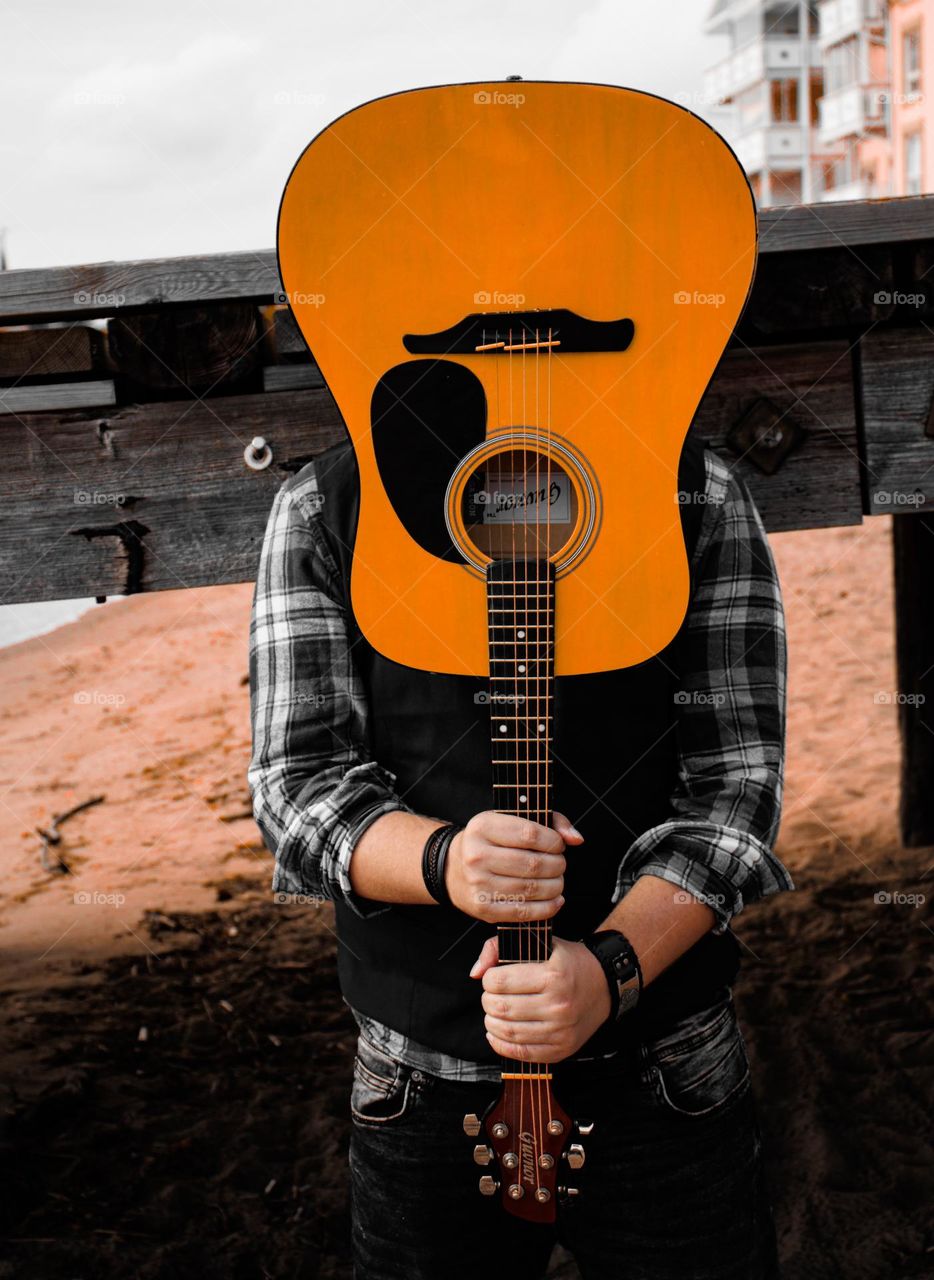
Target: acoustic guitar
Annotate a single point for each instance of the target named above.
(517, 293)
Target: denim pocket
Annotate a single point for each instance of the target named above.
(700, 1064)
(381, 1086)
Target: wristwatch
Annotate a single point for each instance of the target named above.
(621, 966)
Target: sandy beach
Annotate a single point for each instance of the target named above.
(176, 1054)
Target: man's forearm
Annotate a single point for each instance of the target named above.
(387, 859)
(660, 921)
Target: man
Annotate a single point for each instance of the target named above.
(352, 774)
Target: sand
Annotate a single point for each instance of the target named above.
(175, 1057)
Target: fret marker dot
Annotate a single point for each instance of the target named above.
(521, 635)
(522, 667)
(523, 799)
(541, 728)
(502, 728)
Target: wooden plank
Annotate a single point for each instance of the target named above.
(291, 377)
(62, 350)
(817, 485)
(44, 397)
(170, 476)
(913, 556)
(897, 388)
(846, 222)
(82, 494)
(107, 288)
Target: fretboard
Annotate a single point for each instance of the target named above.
(521, 607)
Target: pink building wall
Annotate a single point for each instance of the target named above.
(910, 116)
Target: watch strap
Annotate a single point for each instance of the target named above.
(621, 966)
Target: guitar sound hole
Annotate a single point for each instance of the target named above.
(519, 504)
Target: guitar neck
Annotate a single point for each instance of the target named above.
(521, 607)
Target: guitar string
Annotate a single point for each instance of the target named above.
(539, 801)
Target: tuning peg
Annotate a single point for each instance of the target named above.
(568, 1193)
(575, 1155)
(482, 1154)
(488, 1186)
(471, 1125)
(583, 1127)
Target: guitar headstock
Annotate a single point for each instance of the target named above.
(528, 1146)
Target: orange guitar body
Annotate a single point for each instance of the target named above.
(417, 210)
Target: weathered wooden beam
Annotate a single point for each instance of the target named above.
(147, 497)
(106, 288)
(63, 351)
(913, 554)
(846, 222)
(44, 397)
(810, 386)
(897, 388)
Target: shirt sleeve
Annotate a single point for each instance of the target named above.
(730, 719)
(315, 788)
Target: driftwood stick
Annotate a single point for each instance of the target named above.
(50, 836)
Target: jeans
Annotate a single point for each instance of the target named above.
(672, 1187)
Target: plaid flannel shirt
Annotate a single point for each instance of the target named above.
(316, 789)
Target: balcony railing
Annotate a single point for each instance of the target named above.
(854, 110)
(840, 19)
(768, 58)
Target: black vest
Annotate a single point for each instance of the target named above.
(614, 767)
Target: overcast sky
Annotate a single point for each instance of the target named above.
(135, 130)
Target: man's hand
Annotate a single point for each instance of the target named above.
(502, 868)
(542, 1012)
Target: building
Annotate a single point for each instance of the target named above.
(911, 51)
(825, 96)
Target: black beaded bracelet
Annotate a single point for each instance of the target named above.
(434, 856)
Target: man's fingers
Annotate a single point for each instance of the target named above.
(511, 832)
(512, 1008)
(517, 1032)
(566, 829)
(529, 890)
(517, 979)
(515, 865)
(487, 959)
(524, 1052)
